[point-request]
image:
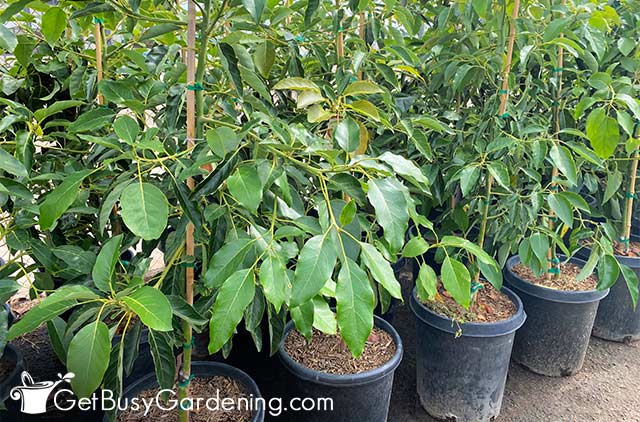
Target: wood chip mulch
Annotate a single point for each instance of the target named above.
(488, 305)
(329, 353)
(566, 280)
(633, 252)
(204, 388)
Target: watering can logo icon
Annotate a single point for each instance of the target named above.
(34, 395)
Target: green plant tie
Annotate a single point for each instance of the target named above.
(341, 29)
(556, 104)
(504, 116)
(503, 91)
(554, 270)
(189, 264)
(299, 38)
(475, 287)
(554, 260)
(624, 240)
(190, 344)
(557, 69)
(630, 195)
(195, 87)
(98, 20)
(125, 263)
(554, 187)
(185, 383)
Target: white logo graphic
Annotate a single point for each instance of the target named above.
(34, 395)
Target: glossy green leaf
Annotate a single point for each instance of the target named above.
(144, 210)
(255, 8)
(426, 283)
(631, 279)
(162, 353)
(226, 261)
(388, 198)
(355, 302)
(457, 281)
(314, 267)
(608, 271)
(57, 202)
(323, 317)
(603, 132)
(157, 30)
(245, 186)
(54, 22)
(152, 306)
(127, 129)
(347, 134)
(500, 173)
(88, 357)
(9, 164)
(562, 208)
(469, 179)
(234, 296)
(274, 280)
(380, 269)
(562, 159)
(362, 88)
(8, 40)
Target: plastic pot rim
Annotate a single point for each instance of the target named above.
(347, 380)
(223, 369)
(471, 329)
(545, 293)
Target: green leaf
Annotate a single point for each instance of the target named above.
(608, 271)
(355, 302)
(105, 265)
(226, 261)
(308, 98)
(160, 29)
(603, 132)
(55, 108)
(540, 245)
(347, 134)
(152, 306)
(222, 140)
(323, 317)
(109, 202)
(8, 40)
(500, 173)
(426, 283)
(431, 123)
(264, 57)
(56, 329)
(492, 274)
(54, 22)
(255, 8)
(8, 287)
(315, 266)
(362, 87)
(230, 63)
(245, 186)
(274, 280)
(296, 84)
(562, 208)
(562, 159)
(404, 167)
(365, 108)
(144, 210)
(389, 200)
(614, 181)
(587, 270)
(416, 246)
(164, 362)
(186, 312)
(57, 202)
(9, 164)
(92, 120)
(312, 6)
(302, 317)
(234, 296)
(348, 213)
(631, 279)
(469, 179)
(380, 269)
(630, 102)
(88, 357)
(457, 281)
(127, 129)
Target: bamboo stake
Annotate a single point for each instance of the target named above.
(502, 110)
(185, 374)
(554, 267)
(363, 37)
(97, 31)
(340, 37)
(631, 193)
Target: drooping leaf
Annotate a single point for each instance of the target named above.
(355, 302)
(157, 30)
(380, 269)
(608, 271)
(274, 280)
(88, 357)
(562, 208)
(226, 261)
(457, 281)
(105, 266)
(234, 296)
(163, 358)
(389, 200)
(245, 186)
(323, 317)
(603, 132)
(563, 160)
(426, 283)
(315, 266)
(9, 164)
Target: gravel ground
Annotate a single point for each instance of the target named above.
(606, 390)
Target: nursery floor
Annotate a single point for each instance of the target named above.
(606, 390)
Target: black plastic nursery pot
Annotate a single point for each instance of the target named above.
(203, 370)
(355, 397)
(554, 339)
(616, 319)
(14, 357)
(462, 377)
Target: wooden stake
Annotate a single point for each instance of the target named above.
(97, 31)
(551, 253)
(185, 374)
(504, 97)
(363, 37)
(340, 37)
(631, 192)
